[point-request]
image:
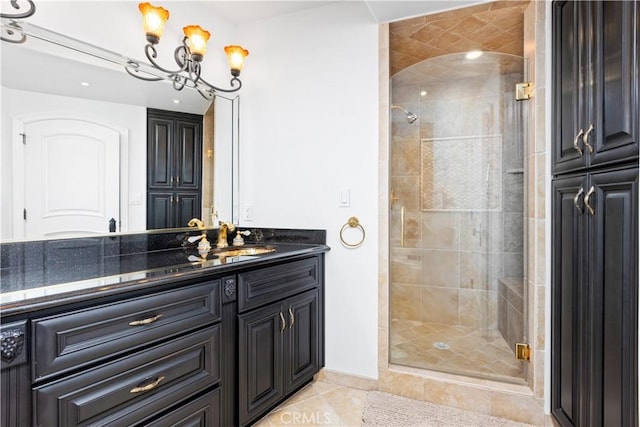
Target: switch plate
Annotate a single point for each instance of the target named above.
(247, 213)
(135, 199)
(345, 198)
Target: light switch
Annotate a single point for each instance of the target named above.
(345, 198)
(135, 198)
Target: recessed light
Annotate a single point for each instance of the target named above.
(84, 84)
(176, 101)
(473, 54)
(423, 93)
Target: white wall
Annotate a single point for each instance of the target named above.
(309, 127)
(129, 120)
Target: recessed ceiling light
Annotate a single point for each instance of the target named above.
(423, 93)
(176, 101)
(84, 84)
(473, 54)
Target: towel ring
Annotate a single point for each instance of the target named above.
(353, 222)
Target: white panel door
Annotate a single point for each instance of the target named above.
(72, 178)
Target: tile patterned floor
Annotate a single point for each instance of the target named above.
(319, 404)
(455, 349)
(324, 404)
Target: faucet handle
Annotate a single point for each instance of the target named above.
(245, 233)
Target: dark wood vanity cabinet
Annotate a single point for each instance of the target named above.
(209, 351)
(280, 341)
(174, 168)
(594, 325)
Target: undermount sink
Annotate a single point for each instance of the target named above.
(242, 251)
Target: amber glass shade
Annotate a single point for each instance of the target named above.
(197, 39)
(236, 55)
(153, 20)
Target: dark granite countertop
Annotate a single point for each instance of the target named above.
(43, 274)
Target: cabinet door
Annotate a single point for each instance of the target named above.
(567, 299)
(160, 210)
(303, 339)
(260, 358)
(188, 155)
(613, 269)
(568, 40)
(613, 85)
(187, 207)
(160, 153)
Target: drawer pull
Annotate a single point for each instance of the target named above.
(292, 319)
(147, 387)
(283, 324)
(145, 321)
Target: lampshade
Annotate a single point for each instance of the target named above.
(197, 39)
(153, 20)
(236, 55)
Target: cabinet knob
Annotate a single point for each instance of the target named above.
(575, 142)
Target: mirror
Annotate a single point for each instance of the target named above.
(42, 80)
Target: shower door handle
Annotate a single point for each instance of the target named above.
(402, 227)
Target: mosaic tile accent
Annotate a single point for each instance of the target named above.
(461, 173)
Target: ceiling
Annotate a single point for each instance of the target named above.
(35, 72)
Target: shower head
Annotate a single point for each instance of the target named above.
(411, 117)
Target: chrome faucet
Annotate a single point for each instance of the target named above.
(222, 233)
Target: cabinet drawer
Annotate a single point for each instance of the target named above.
(270, 284)
(71, 340)
(204, 411)
(132, 389)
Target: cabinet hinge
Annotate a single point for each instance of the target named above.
(524, 91)
(523, 351)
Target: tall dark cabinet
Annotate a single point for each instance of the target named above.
(595, 213)
(174, 168)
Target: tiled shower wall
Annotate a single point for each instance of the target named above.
(447, 262)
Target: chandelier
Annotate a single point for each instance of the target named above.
(188, 55)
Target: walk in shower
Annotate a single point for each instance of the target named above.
(458, 302)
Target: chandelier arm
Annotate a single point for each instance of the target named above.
(233, 83)
(179, 82)
(15, 31)
(208, 94)
(181, 55)
(150, 52)
(132, 65)
(21, 15)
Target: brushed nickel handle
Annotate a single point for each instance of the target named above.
(576, 203)
(145, 321)
(292, 318)
(587, 198)
(575, 141)
(171, 200)
(171, 180)
(585, 138)
(177, 180)
(147, 387)
(283, 323)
